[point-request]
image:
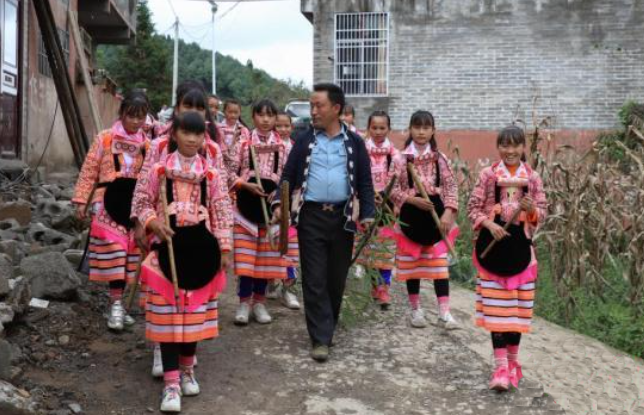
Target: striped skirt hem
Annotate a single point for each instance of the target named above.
(502, 310)
(164, 324)
(255, 258)
(381, 254)
(108, 261)
(425, 267)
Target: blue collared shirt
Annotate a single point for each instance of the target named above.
(328, 180)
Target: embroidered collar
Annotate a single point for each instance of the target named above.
(427, 155)
(383, 149)
(258, 139)
(224, 124)
(186, 169)
(126, 143)
(506, 179)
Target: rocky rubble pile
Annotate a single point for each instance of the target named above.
(41, 293)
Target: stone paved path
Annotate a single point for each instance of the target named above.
(583, 375)
(377, 368)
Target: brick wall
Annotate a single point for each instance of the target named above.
(477, 63)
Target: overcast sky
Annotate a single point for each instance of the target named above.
(273, 34)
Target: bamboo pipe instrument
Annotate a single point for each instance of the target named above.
(421, 189)
(130, 298)
(285, 217)
(267, 219)
(515, 216)
(372, 229)
(173, 265)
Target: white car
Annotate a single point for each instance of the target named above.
(300, 112)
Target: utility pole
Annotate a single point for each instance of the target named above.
(175, 66)
(214, 52)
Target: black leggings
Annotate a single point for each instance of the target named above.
(441, 287)
(503, 340)
(118, 284)
(170, 353)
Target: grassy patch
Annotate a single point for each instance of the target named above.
(608, 317)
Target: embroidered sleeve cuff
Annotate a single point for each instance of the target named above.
(533, 217)
(452, 206)
(147, 218)
(479, 221)
(237, 185)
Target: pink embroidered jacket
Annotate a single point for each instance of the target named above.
(152, 128)
(383, 163)
(229, 146)
(228, 134)
(482, 205)
(265, 148)
(99, 166)
(158, 153)
(187, 174)
(426, 168)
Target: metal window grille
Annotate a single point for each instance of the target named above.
(361, 64)
(43, 62)
(63, 35)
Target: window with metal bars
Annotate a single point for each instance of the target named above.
(43, 62)
(361, 64)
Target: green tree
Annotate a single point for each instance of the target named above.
(143, 63)
(148, 64)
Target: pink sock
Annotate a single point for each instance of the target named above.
(501, 357)
(186, 362)
(513, 353)
(259, 298)
(443, 305)
(116, 294)
(244, 300)
(414, 300)
(171, 378)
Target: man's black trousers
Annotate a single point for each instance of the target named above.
(325, 256)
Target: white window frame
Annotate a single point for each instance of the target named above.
(9, 69)
(358, 43)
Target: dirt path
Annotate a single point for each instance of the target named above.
(376, 368)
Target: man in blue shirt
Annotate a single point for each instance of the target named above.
(328, 181)
(330, 167)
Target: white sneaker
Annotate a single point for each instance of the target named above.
(448, 322)
(171, 399)
(289, 300)
(418, 318)
(274, 291)
(189, 385)
(242, 315)
(116, 317)
(157, 363)
(129, 320)
(261, 314)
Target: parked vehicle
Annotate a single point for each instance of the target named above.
(300, 112)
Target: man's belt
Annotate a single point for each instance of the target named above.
(327, 207)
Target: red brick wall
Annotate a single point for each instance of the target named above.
(475, 145)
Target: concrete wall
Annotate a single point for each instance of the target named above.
(41, 101)
(477, 63)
